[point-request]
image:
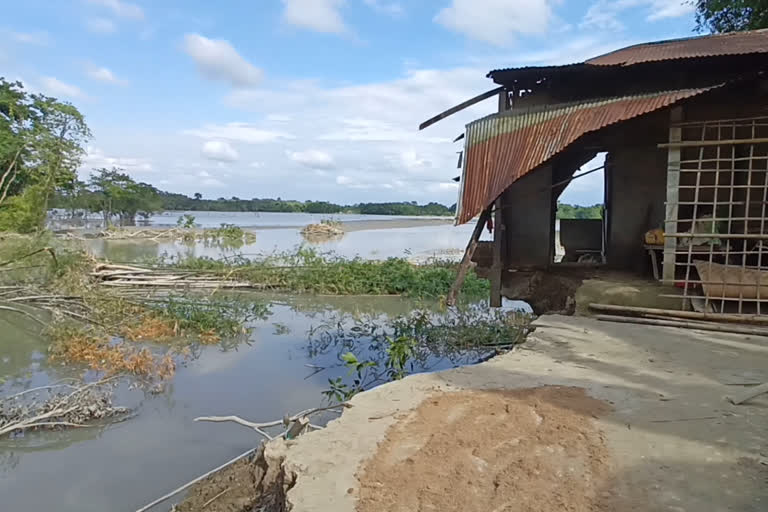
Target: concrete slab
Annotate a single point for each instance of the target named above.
(676, 443)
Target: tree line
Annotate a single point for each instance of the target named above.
(115, 195)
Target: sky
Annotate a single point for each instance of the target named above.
(302, 99)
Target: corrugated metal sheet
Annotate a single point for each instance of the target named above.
(736, 43)
(502, 148)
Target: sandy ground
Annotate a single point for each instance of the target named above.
(670, 441)
(497, 450)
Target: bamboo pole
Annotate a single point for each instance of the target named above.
(753, 331)
(691, 315)
(467, 259)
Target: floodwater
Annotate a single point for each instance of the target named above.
(124, 466)
(367, 236)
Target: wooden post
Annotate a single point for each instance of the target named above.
(467, 259)
(499, 240)
(673, 191)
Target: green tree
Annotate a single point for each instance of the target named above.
(41, 146)
(731, 15)
(117, 194)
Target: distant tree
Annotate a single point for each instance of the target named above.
(198, 196)
(731, 15)
(117, 194)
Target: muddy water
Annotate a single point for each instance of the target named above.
(126, 465)
(443, 241)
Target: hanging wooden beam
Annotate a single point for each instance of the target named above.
(460, 107)
(467, 259)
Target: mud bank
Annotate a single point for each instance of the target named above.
(638, 422)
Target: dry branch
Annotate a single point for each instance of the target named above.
(294, 425)
(24, 410)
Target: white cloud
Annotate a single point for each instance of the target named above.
(605, 14)
(219, 150)
(279, 118)
(239, 132)
(39, 38)
(217, 59)
(670, 9)
(312, 158)
(496, 21)
(96, 158)
(100, 25)
(56, 87)
(318, 15)
(256, 165)
(102, 74)
(122, 9)
(212, 182)
(386, 7)
(413, 161)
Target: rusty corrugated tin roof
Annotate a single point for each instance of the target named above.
(735, 43)
(502, 148)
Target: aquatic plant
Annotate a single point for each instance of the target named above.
(380, 349)
(186, 221)
(110, 356)
(308, 271)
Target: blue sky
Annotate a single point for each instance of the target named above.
(304, 99)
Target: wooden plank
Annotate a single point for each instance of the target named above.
(460, 107)
(498, 255)
(748, 394)
(467, 259)
(498, 229)
(693, 315)
(682, 324)
(673, 182)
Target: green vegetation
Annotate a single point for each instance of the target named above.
(171, 201)
(376, 350)
(731, 15)
(41, 146)
(567, 211)
(307, 271)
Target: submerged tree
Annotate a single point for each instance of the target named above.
(731, 15)
(115, 193)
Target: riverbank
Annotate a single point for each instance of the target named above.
(639, 411)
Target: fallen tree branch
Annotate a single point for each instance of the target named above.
(294, 425)
(23, 313)
(49, 250)
(240, 421)
(68, 409)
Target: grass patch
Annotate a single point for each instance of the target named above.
(307, 271)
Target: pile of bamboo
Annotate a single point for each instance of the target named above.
(147, 234)
(718, 322)
(137, 277)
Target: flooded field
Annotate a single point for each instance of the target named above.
(283, 365)
(366, 236)
(261, 377)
